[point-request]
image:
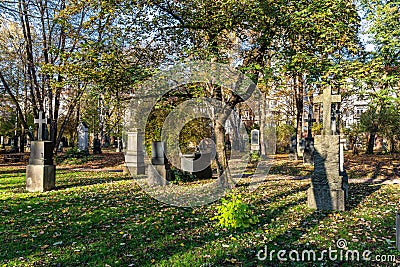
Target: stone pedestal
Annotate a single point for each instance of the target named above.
(40, 173)
(134, 155)
(327, 190)
(40, 178)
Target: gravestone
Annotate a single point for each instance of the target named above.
(118, 145)
(308, 155)
(198, 164)
(97, 146)
(83, 137)
(255, 140)
(293, 148)
(40, 173)
(398, 231)
(1, 141)
(328, 185)
(158, 170)
(134, 155)
(15, 148)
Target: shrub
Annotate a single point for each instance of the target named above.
(74, 156)
(234, 213)
(178, 176)
(74, 152)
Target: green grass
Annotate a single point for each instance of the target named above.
(105, 219)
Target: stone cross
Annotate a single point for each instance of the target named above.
(327, 99)
(41, 120)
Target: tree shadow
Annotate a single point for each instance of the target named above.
(92, 181)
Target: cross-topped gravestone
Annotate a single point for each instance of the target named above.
(329, 183)
(41, 121)
(327, 99)
(40, 173)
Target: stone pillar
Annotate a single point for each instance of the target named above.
(158, 170)
(134, 155)
(327, 190)
(40, 173)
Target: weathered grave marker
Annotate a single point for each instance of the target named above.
(83, 137)
(134, 155)
(40, 173)
(328, 185)
(158, 170)
(255, 140)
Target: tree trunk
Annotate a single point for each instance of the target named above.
(262, 125)
(299, 111)
(22, 140)
(371, 140)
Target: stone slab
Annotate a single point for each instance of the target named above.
(40, 178)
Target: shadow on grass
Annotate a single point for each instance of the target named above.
(358, 192)
(11, 171)
(89, 181)
(285, 241)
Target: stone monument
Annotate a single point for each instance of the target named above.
(83, 137)
(134, 155)
(398, 230)
(158, 170)
(40, 173)
(255, 140)
(97, 146)
(328, 185)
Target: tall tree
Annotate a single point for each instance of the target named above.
(379, 73)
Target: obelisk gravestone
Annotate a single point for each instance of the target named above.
(40, 173)
(328, 186)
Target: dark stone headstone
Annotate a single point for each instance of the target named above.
(158, 170)
(15, 144)
(96, 146)
(158, 155)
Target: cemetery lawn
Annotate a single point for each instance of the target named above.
(102, 218)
